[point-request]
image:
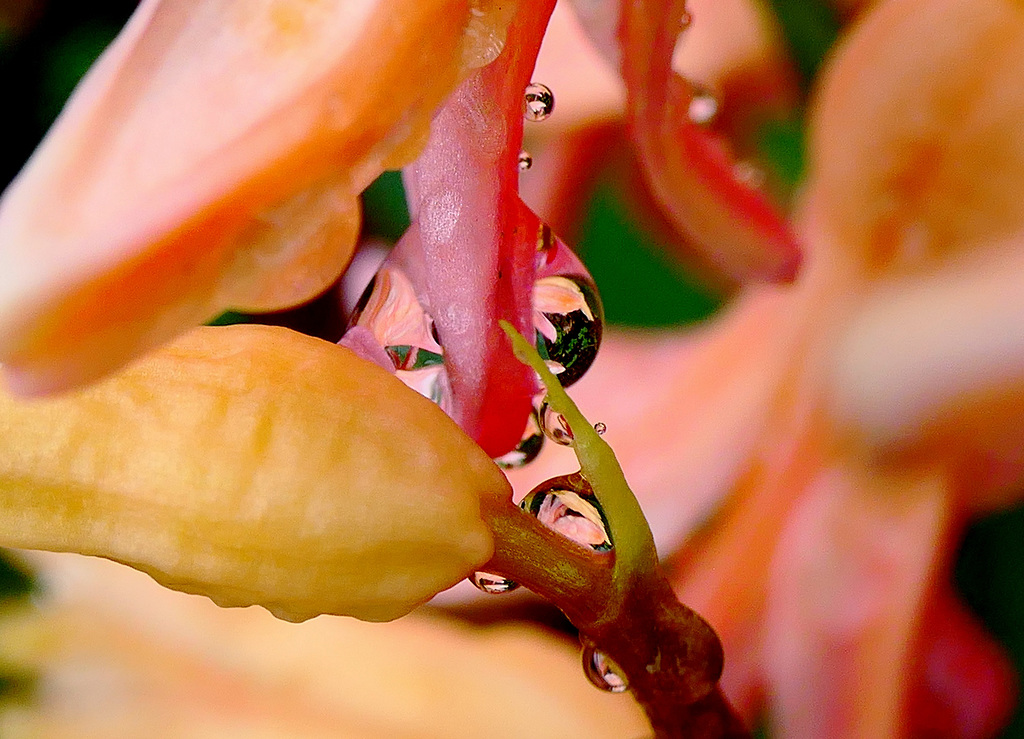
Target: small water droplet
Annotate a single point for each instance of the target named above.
(568, 318)
(749, 174)
(493, 584)
(538, 102)
(525, 160)
(568, 505)
(703, 107)
(603, 672)
(600, 428)
(554, 425)
(685, 20)
(528, 447)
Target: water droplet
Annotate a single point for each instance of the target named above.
(600, 428)
(603, 672)
(703, 107)
(493, 584)
(546, 240)
(554, 425)
(528, 447)
(568, 505)
(538, 102)
(749, 174)
(685, 20)
(390, 309)
(525, 160)
(568, 319)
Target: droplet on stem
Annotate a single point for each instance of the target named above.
(493, 584)
(568, 506)
(600, 428)
(603, 672)
(538, 102)
(554, 425)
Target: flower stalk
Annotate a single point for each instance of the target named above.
(620, 600)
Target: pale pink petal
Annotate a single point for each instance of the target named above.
(849, 580)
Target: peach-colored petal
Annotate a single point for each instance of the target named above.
(121, 657)
(848, 584)
(935, 365)
(917, 147)
(212, 159)
(253, 464)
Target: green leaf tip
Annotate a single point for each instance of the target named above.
(628, 529)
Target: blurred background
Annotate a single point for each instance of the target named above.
(46, 45)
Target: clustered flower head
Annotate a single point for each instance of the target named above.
(808, 457)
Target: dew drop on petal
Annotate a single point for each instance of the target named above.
(493, 584)
(538, 102)
(554, 425)
(568, 319)
(525, 160)
(603, 672)
(686, 20)
(390, 309)
(567, 505)
(528, 447)
(600, 428)
(703, 107)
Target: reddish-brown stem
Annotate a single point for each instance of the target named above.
(670, 656)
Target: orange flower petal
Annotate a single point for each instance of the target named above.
(212, 159)
(918, 148)
(253, 465)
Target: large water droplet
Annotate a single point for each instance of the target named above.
(528, 447)
(703, 107)
(554, 425)
(391, 311)
(568, 505)
(525, 160)
(567, 316)
(538, 102)
(603, 672)
(493, 584)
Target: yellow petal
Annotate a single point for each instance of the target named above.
(212, 159)
(253, 465)
(918, 148)
(150, 662)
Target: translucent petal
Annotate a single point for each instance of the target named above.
(212, 159)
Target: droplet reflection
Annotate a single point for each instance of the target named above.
(554, 425)
(567, 316)
(493, 584)
(568, 506)
(538, 102)
(603, 672)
